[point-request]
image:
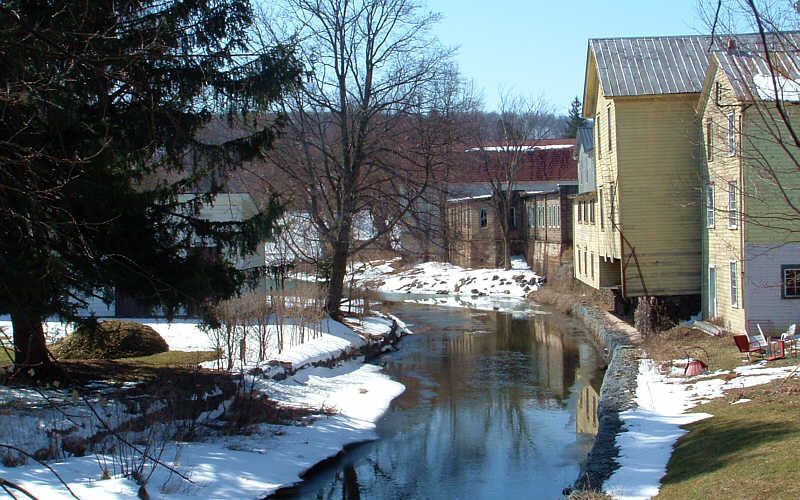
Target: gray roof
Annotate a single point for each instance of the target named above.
(586, 137)
(660, 65)
(741, 65)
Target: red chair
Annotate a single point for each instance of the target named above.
(743, 343)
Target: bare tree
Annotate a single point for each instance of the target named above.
(348, 148)
(521, 124)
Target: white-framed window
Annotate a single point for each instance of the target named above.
(608, 117)
(599, 147)
(483, 217)
(531, 220)
(790, 278)
(611, 195)
(580, 211)
(733, 206)
(557, 221)
(734, 285)
(710, 205)
(602, 224)
(591, 211)
(579, 262)
(731, 134)
(709, 140)
(591, 259)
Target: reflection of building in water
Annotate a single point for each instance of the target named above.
(586, 418)
(557, 357)
(588, 382)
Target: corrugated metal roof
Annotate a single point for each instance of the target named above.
(670, 64)
(651, 65)
(742, 64)
(586, 137)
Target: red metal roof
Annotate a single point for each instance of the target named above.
(543, 163)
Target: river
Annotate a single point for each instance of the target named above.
(497, 405)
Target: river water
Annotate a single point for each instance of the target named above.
(497, 405)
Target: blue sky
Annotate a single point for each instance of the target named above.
(539, 47)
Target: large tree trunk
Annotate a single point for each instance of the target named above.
(30, 350)
(338, 272)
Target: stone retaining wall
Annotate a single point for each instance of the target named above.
(616, 395)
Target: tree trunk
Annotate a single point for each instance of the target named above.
(30, 349)
(338, 271)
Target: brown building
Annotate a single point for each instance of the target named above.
(540, 223)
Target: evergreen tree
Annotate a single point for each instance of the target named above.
(99, 99)
(575, 119)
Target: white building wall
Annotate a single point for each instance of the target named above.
(762, 284)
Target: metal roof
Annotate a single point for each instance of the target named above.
(651, 65)
(586, 137)
(667, 65)
(741, 65)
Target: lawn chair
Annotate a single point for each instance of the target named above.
(760, 340)
(781, 346)
(744, 346)
(790, 338)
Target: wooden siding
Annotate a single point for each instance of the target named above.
(762, 285)
(656, 158)
(721, 242)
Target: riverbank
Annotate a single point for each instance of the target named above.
(646, 405)
(341, 405)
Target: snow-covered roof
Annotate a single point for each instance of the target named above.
(520, 148)
(468, 198)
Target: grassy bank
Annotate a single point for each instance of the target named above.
(746, 450)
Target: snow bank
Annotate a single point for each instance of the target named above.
(452, 285)
(251, 466)
(655, 425)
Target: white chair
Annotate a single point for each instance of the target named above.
(760, 340)
(790, 338)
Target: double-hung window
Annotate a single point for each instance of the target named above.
(790, 277)
(734, 285)
(531, 220)
(483, 217)
(709, 140)
(601, 209)
(733, 206)
(709, 205)
(731, 135)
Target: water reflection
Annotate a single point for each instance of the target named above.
(494, 406)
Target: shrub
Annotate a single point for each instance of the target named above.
(111, 339)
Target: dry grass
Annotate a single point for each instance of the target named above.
(746, 450)
(562, 291)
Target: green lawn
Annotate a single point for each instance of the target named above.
(748, 450)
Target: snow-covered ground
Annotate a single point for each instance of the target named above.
(447, 285)
(251, 466)
(655, 425)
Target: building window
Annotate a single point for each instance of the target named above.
(734, 285)
(731, 135)
(540, 211)
(591, 211)
(599, 147)
(591, 259)
(608, 116)
(709, 205)
(612, 194)
(484, 217)
(512, 218)
(791, 281)
(557, 222)
(579, 262)
(580, 211)
(531, 221)
(602, 224)
(717, 92)
(709, 141)
(733, 206)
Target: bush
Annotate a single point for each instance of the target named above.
(111, 339)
